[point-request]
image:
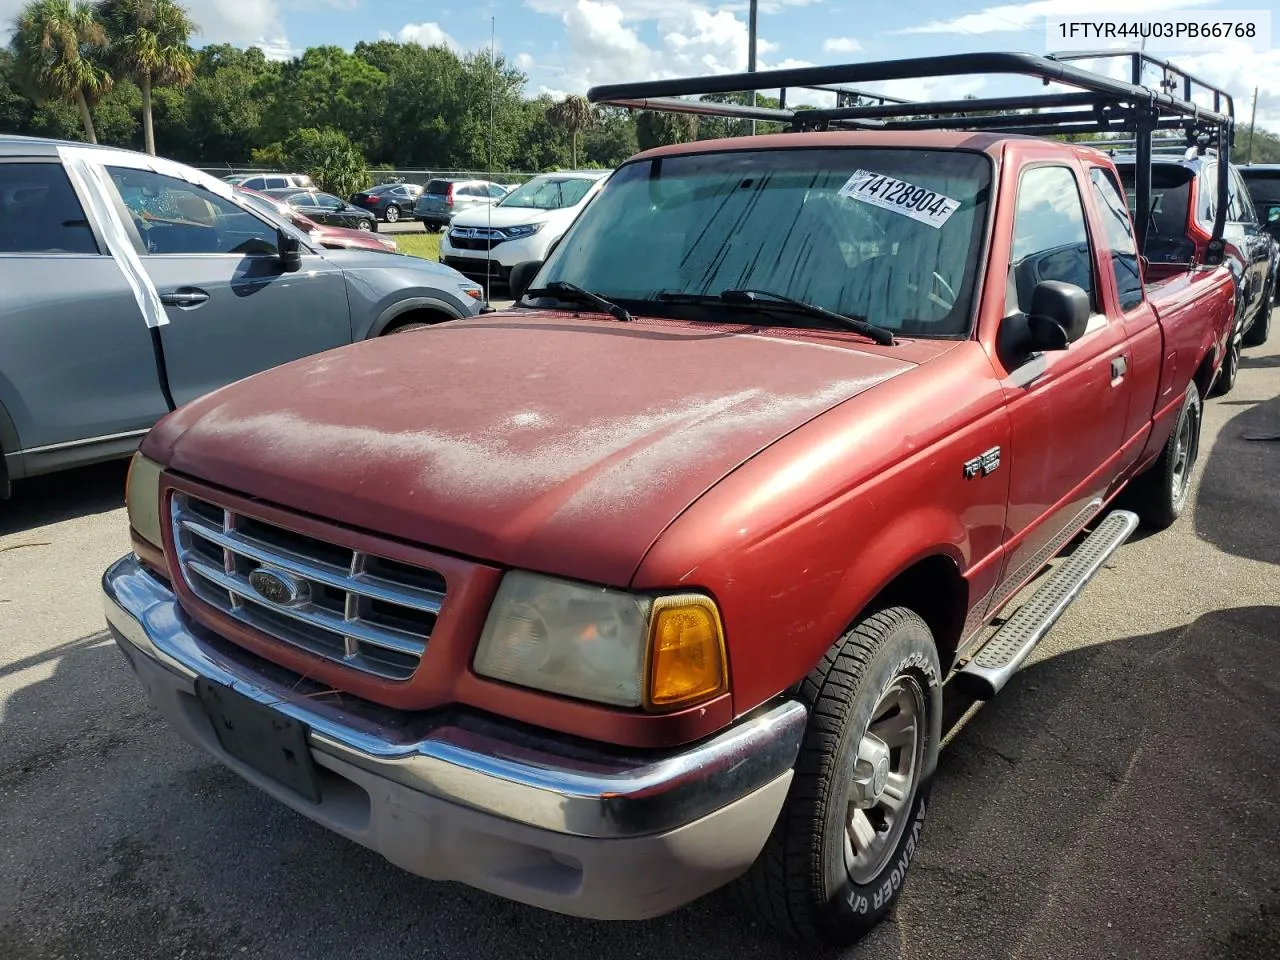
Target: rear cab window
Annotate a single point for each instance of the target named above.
(40, 212)
(1167, 239)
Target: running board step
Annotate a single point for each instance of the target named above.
(1001, 656)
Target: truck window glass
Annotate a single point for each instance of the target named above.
(1118, 229)
(176, 217)
(776, 220)
(40, 213)
(1050, 241)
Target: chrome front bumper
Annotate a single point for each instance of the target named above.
(599, 833)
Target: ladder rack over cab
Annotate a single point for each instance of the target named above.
(1098, 105)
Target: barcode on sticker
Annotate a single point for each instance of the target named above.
(918, 203)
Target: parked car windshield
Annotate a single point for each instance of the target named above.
(552, 194)
(890, 235)
(1170, 196)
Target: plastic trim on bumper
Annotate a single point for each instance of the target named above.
(629, 796)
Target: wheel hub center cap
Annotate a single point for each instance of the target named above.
(871, 771)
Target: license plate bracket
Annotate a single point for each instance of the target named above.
(264, 739)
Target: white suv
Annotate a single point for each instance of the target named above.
(273, 181)
(489, 241)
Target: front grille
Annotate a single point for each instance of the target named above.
(371, 613)
(475, 238)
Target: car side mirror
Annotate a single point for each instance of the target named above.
(1059, 315)
(290, 248)
(522, 275)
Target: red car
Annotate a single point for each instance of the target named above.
(653, 582)
(336, 238)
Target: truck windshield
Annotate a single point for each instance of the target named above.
(890, 235)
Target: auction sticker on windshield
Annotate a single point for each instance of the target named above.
(918, 203)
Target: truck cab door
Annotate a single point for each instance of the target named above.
(1067, 408)
(232, 309)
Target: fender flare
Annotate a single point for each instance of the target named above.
(401, 307)
(914, 537)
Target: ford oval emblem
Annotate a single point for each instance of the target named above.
(278, 587)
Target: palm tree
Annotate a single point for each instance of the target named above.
(56, 45)
(575, 114)
(148, 44)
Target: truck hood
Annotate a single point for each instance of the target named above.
(546, 441)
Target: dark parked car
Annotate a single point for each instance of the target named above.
(444, 197)
(1263, 182)
(388, 201)
(326, 208)
(1183, 197)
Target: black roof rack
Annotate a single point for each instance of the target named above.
(1098, 104)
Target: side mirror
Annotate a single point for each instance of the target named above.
(522, 275)
(1059, 315)
(290, 248)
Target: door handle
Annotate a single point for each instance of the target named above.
(1119, 367)
(187, 297)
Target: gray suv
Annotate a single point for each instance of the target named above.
(442, 198)
(131, 283)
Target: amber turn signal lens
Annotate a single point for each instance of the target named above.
(686, 649)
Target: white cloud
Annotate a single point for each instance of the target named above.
(524, 61)
(1022, 16)
(426, 35)
(235, 21)
(841, 45)
(276, 48)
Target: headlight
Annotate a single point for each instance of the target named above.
(604, 645)
(472, 290)
(142, 499)
(528, 230)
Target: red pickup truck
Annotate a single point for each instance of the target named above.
(653, 582)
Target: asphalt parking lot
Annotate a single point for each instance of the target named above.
(1120, 799)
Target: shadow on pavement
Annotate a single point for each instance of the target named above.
(1117, 800)
(1239, 475)
(62, 496)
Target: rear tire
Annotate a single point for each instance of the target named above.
(837, 857)
(1161, 493)
(392, 213)
(1230, 368)
(1261, 329)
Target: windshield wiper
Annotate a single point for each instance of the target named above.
(572, 293)
(768, 300)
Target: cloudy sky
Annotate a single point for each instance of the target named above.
(568, 45)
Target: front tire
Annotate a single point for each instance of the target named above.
(392, 213)
(836, 859)
(364, 225)
(1261, 329)
(1230, 368)
(1160, 494)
